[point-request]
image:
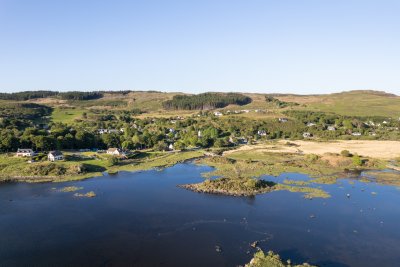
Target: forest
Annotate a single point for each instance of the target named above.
(206, 101)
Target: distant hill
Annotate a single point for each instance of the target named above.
(71, 105)
(355, 103)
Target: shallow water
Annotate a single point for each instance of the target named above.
(143, 219)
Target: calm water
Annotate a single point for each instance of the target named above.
(143, 219)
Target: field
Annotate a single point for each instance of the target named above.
(66, 115)
(368, 148)
(352, 103)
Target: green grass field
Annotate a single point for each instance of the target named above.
(357, 103)
(66, 115)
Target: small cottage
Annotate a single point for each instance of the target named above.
(55, 155)
(261, 132)
(25, 152)
(115, 152)
(171, 147)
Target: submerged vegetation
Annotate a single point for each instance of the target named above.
(88, 194)
(385, 178)
(70, 189)
(271, 259)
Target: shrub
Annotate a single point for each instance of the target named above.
(357, 161)
(312, 157)
(113, 161)
(345, 153)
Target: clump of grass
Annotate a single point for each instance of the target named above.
(271, 259)
(325, 180)
(70, 189)
(232, 187)
(385, 178)
(88, 194)
(309, 192)
(294, 182)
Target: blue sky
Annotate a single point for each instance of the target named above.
(297, 46)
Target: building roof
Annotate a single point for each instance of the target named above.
(55, 153)
(113, 149)
(24, 150)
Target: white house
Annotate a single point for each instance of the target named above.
(356, 134)
(25, 152)
(171, 147)
(55, 155)
(113, 131)
(283, 119)
(102, 131)
(261, 132)
(217, 113)
(331, 128)
(115, 152)
(310, 124)
(307, 135)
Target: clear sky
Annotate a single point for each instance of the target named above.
(298, 46)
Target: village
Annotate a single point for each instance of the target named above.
(174, 133)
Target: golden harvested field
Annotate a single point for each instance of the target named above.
(368, 148)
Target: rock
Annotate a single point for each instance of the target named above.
(254, 244)
(218, 249)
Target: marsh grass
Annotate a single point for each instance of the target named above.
(384, 178)
(70, 189)
(88, 194)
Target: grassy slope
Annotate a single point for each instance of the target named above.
(66, 115)
(357, 103)
(353, 103)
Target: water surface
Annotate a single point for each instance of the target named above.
(144, 219)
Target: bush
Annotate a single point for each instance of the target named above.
(312, 157)
(345, 153)
(357, 161)
(113, 161)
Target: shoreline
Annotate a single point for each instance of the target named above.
(163, 161)
(247, 160)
